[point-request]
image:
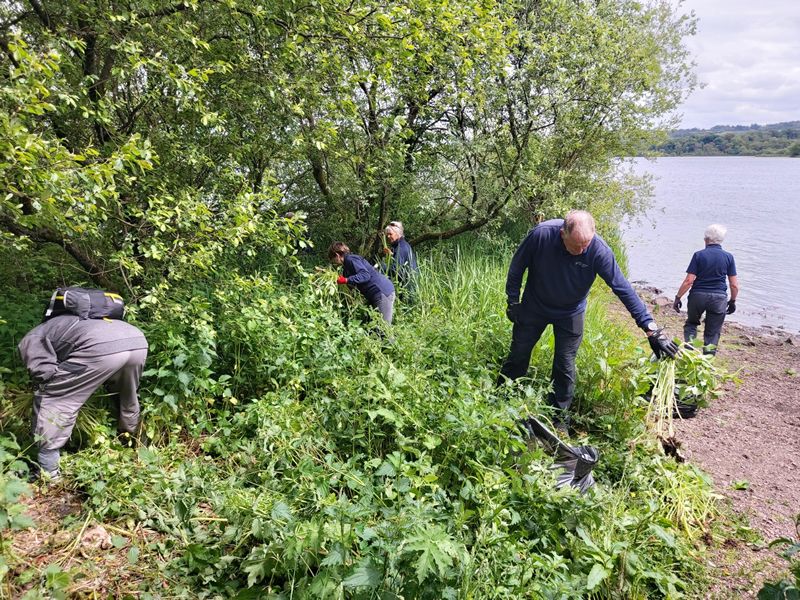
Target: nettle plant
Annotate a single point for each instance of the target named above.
(361, 468)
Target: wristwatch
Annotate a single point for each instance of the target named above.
(651, 327)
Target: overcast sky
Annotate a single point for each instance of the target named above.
(748, 56)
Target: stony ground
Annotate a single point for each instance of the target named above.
(748, 441)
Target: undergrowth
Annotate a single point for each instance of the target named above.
(291, 452)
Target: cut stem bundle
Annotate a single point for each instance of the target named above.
(662, 401)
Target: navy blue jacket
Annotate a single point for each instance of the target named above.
(402, 264)
(364, 276)
(711, 266)
(558, 282)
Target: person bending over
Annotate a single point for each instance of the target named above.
(377, 290)
(68, 358)
(562, 258)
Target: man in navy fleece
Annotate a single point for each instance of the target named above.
(562, 258)
(377, 290)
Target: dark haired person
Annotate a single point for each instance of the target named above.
(705, 276)
(68, 358)
(563, 257)
(401, 262)
(377, 290)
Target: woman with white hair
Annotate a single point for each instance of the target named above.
(705, 276)
(400, 263)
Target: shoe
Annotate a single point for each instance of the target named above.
(127, 440)
(39, 476)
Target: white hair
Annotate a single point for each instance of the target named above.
(395, 226)
(714, 234)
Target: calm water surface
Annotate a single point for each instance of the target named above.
(757, 199)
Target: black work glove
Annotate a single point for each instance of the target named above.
(677, 304)
(661, 345)
(513, 311)
(731, 307)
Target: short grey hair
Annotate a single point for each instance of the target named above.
(714, 234)
(395, 226)
(580, 220)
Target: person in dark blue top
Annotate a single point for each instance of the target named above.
(401, 262)
(705, 276)
(562, 258)
(377, 290)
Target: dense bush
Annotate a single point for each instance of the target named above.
(297, 453)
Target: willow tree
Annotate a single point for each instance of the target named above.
(153, 138)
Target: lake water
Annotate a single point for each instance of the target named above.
(757, 199)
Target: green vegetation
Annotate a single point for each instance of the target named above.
(788, 588)
(780, 139)
(309, 458)
(186, 154)
(145, 137)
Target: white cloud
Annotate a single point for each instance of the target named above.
(748, 60)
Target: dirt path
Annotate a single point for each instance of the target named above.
(748, 441)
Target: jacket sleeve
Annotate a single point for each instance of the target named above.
(38, 355)
(361, 274)
(405, 263)
(610, 273)
(520, 262)
(403, 254)
(692, 268)
(732, 267)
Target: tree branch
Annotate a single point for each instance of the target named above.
(44, 235)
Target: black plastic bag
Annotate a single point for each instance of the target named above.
(576, 462)
(684, 410)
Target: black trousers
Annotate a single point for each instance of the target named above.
(715, 306)
(568, 334)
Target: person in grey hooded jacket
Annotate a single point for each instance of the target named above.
(68, 358)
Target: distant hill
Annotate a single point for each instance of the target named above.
(777, 139)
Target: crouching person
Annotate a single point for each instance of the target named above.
(69, 358)
(376, 288)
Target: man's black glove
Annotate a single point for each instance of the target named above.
(731, 307)
(662, 346)
(677, 304)
(513, 311)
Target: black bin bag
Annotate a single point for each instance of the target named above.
(575, 462)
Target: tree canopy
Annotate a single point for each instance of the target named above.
(149, 137)
(778, 139)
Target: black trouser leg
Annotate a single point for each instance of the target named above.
(694, 312)
(568, 334)
(523, 338)
(716, 309)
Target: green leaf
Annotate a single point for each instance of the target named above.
(281, 512)
(662, 534)
(366, 574)
(596, 575)
(15, 488)
(782, 590)
(437, 552)
(334, 558)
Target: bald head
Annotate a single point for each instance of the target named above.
(578, 231)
